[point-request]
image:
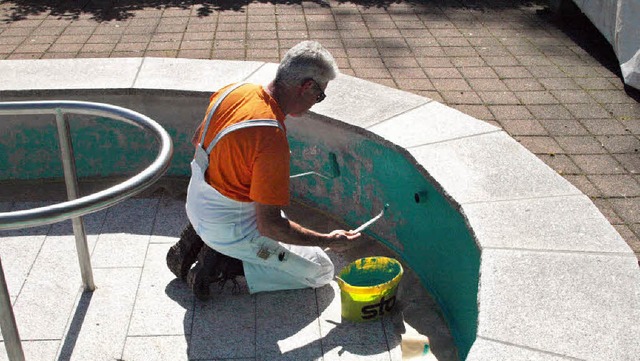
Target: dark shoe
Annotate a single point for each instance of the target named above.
(183, 254)
(205, 272)
(230, 268)
(213, 266)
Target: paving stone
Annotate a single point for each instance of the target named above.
(357, 352)
(549, 112)
(191, 72)
(460, 97)
(431, 123)
(564, 127)
(236, 316)
(446, 73)
(561, 163)
(18, 251)
(484, 84)
(487, 350)
(512, 72)
(604, 126)
(283, 334)
(611, 96)
(540, 145)
(164, 304)
(627, 208)
(102, 315)
(545, 71)
(597, 164)
(510, 112)
(635, 227)
(631, 162)
(498, 97)
(171, 219)
(580, 144)
(450, 84)
(628, 144)
(536, 97)
(517, 85)
(556, 223)
(589, 110)
(37, 318)
(34, 350)
(593, 83)
(624, 112)
(616, 185)
(472, 176)
(477, 72)
(558, 83)
(575, 315)
(523, 127)
(129, 224)
(20, 75)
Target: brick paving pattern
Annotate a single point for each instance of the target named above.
(551, 84)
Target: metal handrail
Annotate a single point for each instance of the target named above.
(75, 207)
(100, 200)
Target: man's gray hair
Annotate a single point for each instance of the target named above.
(306, 60)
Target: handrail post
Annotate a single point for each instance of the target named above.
(8, 322)
(71, 181)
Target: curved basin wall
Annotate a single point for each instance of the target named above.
(430, 235)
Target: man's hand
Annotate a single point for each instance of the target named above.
(272, 225)
(341, 240)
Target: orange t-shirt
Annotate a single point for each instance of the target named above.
(250, 164)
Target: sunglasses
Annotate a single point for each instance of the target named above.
(320, 96)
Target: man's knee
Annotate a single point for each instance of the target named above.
(326, 271)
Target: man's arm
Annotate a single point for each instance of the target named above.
(272, 225)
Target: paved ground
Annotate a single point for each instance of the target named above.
(553, 85)
(141, 312)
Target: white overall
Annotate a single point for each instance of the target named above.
(230, 227)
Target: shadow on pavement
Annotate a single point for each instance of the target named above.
(106, 10)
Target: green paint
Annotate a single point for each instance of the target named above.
(103, 147)
(369, 272)
(30, 153)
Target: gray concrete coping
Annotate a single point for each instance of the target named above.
(556, 279)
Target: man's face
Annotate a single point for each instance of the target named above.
(308, 93)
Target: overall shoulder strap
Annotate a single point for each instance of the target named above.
(202, 156)
(242, 125)
(213, 110)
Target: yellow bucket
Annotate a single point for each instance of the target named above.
(368, 288)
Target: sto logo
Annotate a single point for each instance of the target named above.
(378, 309)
